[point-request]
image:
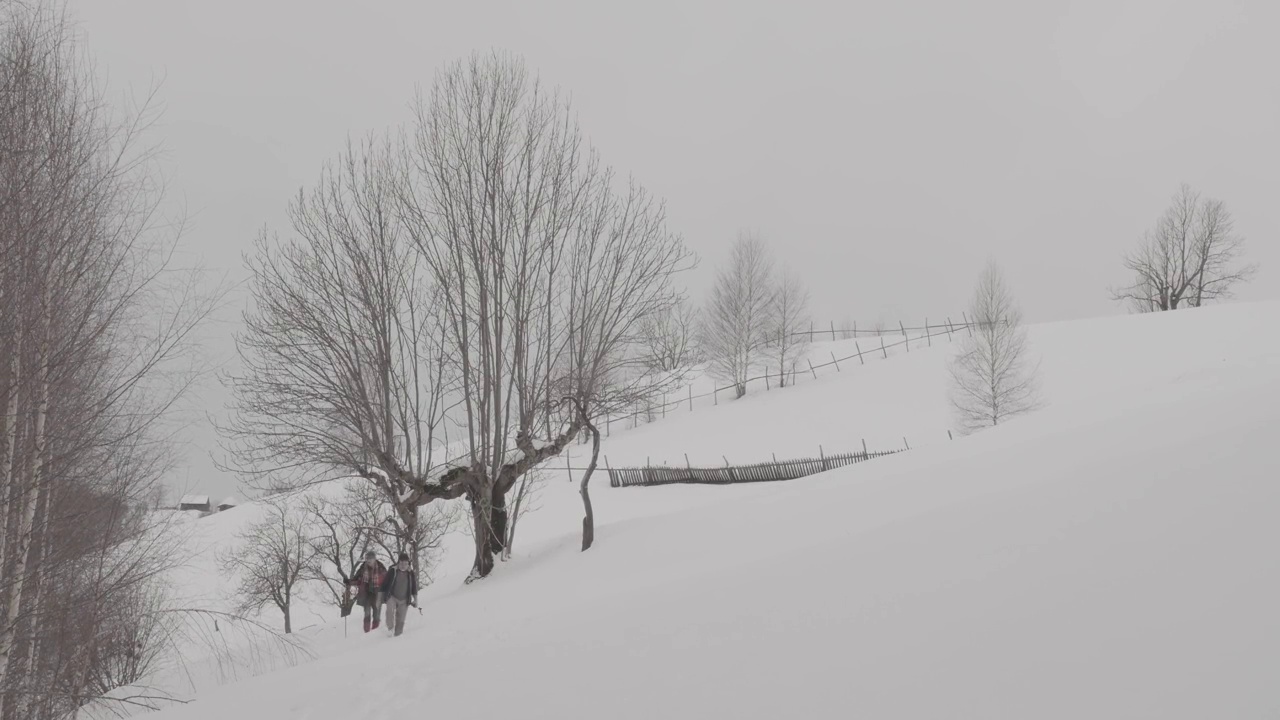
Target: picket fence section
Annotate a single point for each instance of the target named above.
(732, 474)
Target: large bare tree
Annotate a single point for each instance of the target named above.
(992, 378)
(547, 267)
(736, 323)
(344, 371)
(789, 318)
(1191, 257)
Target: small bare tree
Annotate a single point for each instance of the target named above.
(991, 378)
(670, 338)
(736, 327)
(790, 317)
(271, 560)
(1190, 258)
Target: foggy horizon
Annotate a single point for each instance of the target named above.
(885, 154)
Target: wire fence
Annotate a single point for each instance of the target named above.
(686, 401)
(851, 331)
(677, 401)
(733, 474)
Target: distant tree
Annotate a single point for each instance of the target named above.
(991, 378)
(737, 328)
(790, 317)
(670, 337)
(271, 560)
(1190, 258)
(848, 328)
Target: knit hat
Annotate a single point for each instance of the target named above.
(371, 555)
(404, 556)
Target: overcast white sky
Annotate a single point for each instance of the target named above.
(885, 149)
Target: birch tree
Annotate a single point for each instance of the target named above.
(737, 330)
(1191, 257)
(992, 378)
(94, 319)
(789, 320)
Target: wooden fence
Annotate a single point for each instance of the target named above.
(676, 401)
(732, 474)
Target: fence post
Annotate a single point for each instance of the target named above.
(949, 435)
(904, 442)
(928, 337)
(967, 324)
(766, 380)
(833, 330)
(690, 397)
(864, 446)
(610, 471)
(859, 348)
(822, 455)
(905, 338)
(949, 328)
(815, 373)
(836, 362)
(568, 470)
(855, 329)
(664, 404)
(716, 394)
(608, 425)
(882, 350)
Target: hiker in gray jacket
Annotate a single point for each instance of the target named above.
(399, 591)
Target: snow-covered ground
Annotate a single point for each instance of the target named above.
(1113, 555)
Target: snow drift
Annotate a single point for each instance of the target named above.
(1112, 555)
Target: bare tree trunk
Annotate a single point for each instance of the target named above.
(588, 518)
(25, 529)
(9, 459)
(38, 585)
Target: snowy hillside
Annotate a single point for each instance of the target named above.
(1110, 556)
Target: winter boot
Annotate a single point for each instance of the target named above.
(366, 624)
(375, 623)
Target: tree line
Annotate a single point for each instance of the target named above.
(97, 325)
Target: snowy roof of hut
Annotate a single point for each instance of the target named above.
(194, 500)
